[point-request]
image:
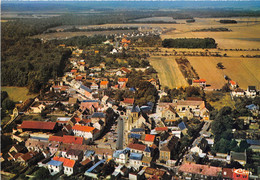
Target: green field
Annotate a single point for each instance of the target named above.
(224, 100)
(18, 93)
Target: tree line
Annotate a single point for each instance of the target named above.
(189, 43)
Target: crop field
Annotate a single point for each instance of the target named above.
(244, 34)
(168, 72)
(18, 93)
(244, 71)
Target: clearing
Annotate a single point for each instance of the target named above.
(168, 72)
(18, 93)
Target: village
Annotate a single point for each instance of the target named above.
(88, 124)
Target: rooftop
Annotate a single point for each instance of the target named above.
(83, 128)
(200, 169)
(38, 125)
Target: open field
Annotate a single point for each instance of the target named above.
(18, 93)
(244, 71)
(168, 71)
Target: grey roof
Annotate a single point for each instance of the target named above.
(136, 136)
(182, 126)
(238, 156)
(136, 156)
(95, 165)
(98, 115)
(85, 88)
(137, 130)
(251, 88)
(252, 107)
(135, 109)
(253, 142)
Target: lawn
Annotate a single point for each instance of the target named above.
(168, 72)
(18, 93)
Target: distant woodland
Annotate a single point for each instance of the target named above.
(189, 43)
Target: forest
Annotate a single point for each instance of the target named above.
(189, 43)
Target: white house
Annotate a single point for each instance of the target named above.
(135, 160)
(83, 131)
(55, 167)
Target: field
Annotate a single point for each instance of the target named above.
(244, 71)
(224, 99)
(168, 72)
(18, 93)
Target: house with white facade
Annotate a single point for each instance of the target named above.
(83, 131)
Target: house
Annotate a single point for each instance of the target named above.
(135, 160)
(36, 145)
(199, 145)
(30, 157)
(68, 164)
(227, 174)
(238, 93)
(37, 107)
(148, 139)
(251, 92)
(139, 148)
(94, 86)
(38, 126)
(83, 131)
(199, 83)
(74, 154)
(104, 84)
(127, 102)
(239, 157)
(122, 81)
(233, 84)
(240, 174)
(97, 117)
(121, 156)
(85, 91)
(120, 171)
(165, 153)
(55, 167)
(152, 173)
(113, 51)
(169, 114)
(125, 70)
(198, 171)
(146, 161)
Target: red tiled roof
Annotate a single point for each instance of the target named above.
(79, 77)
(73, 70)
(38, 125)
(56, 138)
(202, 80)
(149, 137)
(227, 173)
(196, 81)
(103, 82)
(139, 147)
(66, 162)
(122, 79)
(83, 128)
(28, 156)
(72, 139)
(200, 169)
(161, 129)
(129, 100)
(69, 163)
(199, 80)
(232, 82)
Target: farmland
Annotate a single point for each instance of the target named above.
(168, 71)
(244, 71)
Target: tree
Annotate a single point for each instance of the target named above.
(220, 65)
(41, 173)
(226, 88)
(243, 145)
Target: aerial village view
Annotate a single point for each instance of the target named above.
(130, 90)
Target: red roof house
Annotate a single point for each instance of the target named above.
(38, 125)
